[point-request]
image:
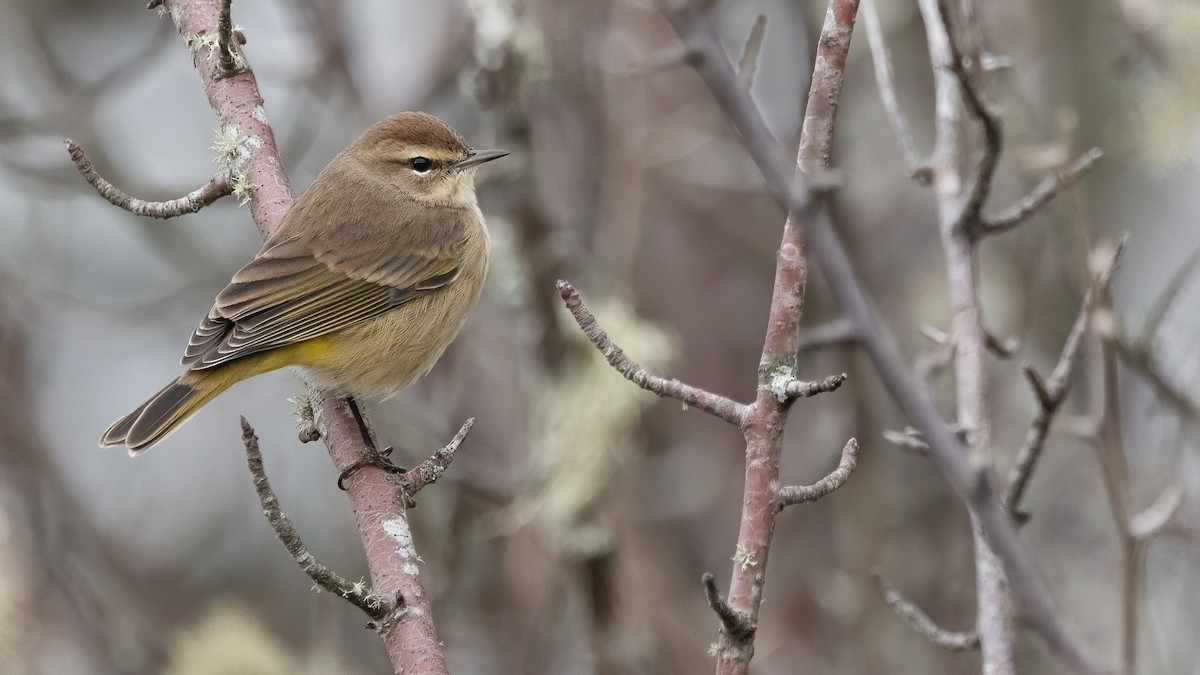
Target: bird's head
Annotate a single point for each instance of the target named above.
(424, 157)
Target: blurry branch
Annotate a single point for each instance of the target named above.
(790, 495)
(713, 404)
(430, 470)
(748, 64)
(970, 483)
(954, 641)
(835, 333)
(1040, 195)
(1051, 392)
(917, 168)
(219, 186)
(358, 594)
(1162, 304)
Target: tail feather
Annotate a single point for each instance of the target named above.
(157, 418)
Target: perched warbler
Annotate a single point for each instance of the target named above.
(366, 282)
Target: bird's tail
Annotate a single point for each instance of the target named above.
(167, 410)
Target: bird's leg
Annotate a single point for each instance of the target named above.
(372, 456)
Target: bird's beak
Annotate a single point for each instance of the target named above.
(478, 157)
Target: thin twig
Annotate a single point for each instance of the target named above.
(917, 169)
(789, 495)
(219, 186)
(1164, 301)
(226, 56)
(734, 623)
(980, 182)
(430, 470)
(748, 65)
(713, 404)
(1051, 393)
(1155, 518)
(358, 594)
(955, 641)
(1040, 195)
(803, 389)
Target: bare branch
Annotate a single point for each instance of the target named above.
(219, 186)
(1051, 393)
(733, 623)
(789, 495)
(908, 440)
(358, 594)
(1154, 518)
(955, 641)
(836, 333)
(748, 65)
(713, 404)
(430, 470)
(917, 169)
(980, 182)
(1040, 195)
(802, 389)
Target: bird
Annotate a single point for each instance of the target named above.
(369, 277)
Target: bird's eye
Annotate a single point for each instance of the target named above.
(420, 164)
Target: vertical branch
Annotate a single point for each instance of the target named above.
(766, 417)
(379, 508)
(954, 149)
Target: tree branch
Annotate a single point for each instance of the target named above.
(358, 594)
(1051, 393)
(430, 470)
(748, 64)
(713, 404)
(1040, 195)
(954, 641)
(790, 495)
(802, 389)
(192, 202)
(917, 168)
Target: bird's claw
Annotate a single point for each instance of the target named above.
(371, 457)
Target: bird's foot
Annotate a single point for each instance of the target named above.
(371, 457)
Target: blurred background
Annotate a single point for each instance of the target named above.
(571, 533)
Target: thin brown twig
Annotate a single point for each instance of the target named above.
(789, 495)
(713, 404)
(1040, 195)
(735, 624)
(839, 332)
(917, 169)
(358, 594)
(430, 470)
(1051, 392)
(803, 389)
(226, 57)
(219, 186)
(950, 640)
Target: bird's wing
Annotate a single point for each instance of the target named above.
(301, 287)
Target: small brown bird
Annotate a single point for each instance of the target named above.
(364, 285)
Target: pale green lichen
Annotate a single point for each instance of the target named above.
(302, 410)
(227, 146)
(241, 187)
